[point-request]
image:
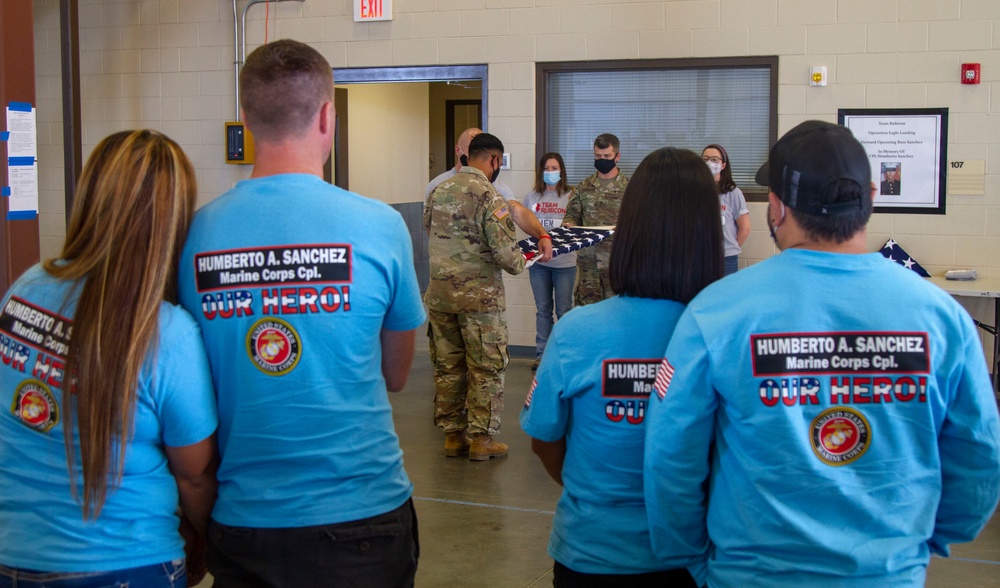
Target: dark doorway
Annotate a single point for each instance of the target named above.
(460, 115)
(335, 170)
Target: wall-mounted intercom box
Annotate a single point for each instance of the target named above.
(239, 144)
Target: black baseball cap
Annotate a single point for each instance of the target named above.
(806, 166)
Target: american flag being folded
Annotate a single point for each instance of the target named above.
(892, 250)
(564, 240)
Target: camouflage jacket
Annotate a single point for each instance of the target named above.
(593, 205)
(472, 237)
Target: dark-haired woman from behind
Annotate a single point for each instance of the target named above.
(586, 409)
(112, 412)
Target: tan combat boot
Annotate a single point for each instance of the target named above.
(455, 444)
(484, 447)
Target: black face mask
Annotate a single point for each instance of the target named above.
(496, 174)
(464, 160)
(604, 165)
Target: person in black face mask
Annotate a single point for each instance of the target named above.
(595, 204)
(472, 238)
(461, 160)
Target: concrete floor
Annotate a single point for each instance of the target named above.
(487, 524)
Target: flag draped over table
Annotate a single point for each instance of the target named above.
(892, 250)
(564, 240)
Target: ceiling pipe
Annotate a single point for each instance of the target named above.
(236, 56)
(240, 41)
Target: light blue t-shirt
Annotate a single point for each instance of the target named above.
(842, 416)
(41, 524)
(593, 391)
(292, 281)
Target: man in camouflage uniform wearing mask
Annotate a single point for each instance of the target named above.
(596, 202)
(472, 238)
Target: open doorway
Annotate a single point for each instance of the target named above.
(400, 125)
(460, 115)
(446, 99)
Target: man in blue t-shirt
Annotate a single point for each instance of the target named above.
(308, 303)
(834, 424)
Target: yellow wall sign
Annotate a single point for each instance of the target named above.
(967, 177)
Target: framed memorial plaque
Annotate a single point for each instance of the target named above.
(907, 149)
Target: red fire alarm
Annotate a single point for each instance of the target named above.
(970, 73)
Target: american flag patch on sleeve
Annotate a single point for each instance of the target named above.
(663, 377)
(527, 401)
(501, 213)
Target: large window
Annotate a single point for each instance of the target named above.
(650, 104)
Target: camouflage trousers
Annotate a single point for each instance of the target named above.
(469, 355)
(592, 285)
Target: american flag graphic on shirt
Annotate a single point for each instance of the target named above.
(565, 240)
(527, 401)
(663, 377)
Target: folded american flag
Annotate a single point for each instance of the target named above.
(892, 250)
(564, 240)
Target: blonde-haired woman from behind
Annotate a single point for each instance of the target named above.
(112, 416)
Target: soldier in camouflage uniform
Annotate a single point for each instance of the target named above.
(596, 203)
(472, 237)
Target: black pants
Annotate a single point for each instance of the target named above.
(564, 577)
(377, 552)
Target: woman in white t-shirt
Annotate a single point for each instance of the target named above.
(735, 216)
(551, 282)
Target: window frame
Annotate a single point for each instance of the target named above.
(543, 69)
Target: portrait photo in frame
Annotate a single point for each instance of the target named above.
(908, 150)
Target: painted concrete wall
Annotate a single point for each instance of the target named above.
(168, 64)
(388, 137)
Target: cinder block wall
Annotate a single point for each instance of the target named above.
(168, 64)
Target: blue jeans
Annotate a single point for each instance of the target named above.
(548, 284)
(171, 574)
(732, 264)
(377, 552)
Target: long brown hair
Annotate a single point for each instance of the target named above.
(132, 210)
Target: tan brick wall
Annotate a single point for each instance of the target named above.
(168, 64)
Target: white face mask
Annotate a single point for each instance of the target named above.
(715, 167)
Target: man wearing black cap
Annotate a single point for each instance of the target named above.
(833, 426)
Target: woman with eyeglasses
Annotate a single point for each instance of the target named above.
(735, 216)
